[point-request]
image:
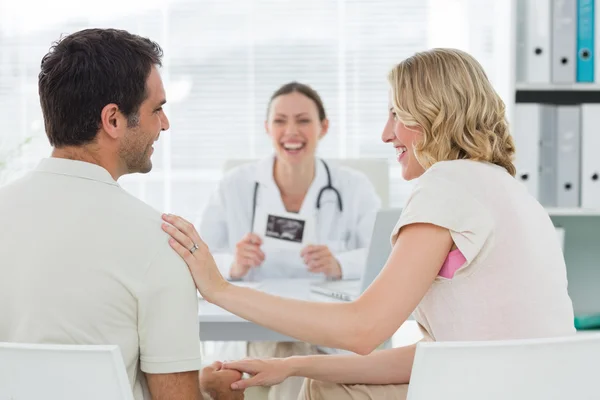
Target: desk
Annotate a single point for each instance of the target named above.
(217, 324)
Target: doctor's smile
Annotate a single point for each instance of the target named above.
(293, 147)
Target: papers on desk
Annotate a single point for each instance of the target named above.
(252, 285)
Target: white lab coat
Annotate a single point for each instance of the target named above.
(227, 218)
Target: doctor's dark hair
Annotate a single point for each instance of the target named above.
(85, 71)
(296, 87)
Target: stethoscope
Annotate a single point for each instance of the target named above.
(329, 186)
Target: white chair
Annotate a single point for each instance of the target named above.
(544, 369)
(376, 169)
(65, 372)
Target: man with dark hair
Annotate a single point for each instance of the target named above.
(82, 261)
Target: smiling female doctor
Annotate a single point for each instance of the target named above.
(341, 202)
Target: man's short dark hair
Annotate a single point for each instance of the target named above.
(85, 71)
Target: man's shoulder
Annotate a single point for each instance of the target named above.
(138, 215)
(138, 208)
(144, 232)
(11, 188)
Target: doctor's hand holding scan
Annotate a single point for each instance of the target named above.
(319, 259)
(248, 255)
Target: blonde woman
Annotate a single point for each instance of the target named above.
(474, 257)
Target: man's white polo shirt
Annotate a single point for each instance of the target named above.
(84, 262)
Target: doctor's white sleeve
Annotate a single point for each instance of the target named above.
(212, 228)
(352, 262)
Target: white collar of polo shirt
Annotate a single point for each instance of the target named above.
(77, 169)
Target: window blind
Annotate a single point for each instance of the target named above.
(224, 58)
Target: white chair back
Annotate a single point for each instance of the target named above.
(376, 169)
(548, 369)
(65, 372)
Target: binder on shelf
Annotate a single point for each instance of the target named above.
(587, 321)
(596, 41)
(548, 175)
(534, 24)
(568, 156)
(521, 45)
(564, 35)
(530, 121)
(585, 41)
(590, 159)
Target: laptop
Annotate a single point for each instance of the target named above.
(378, 253)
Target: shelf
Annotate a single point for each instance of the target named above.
(558, 94)
(572, 212)
(558, 86)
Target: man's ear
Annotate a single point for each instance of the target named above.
(324, 128)
(112, 121)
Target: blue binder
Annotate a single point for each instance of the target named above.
(585, 40)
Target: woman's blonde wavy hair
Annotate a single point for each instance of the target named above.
(447, 94)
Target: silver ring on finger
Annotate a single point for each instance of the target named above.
(194, 248)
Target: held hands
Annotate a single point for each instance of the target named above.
(248, 255)
(319, 259)
(216, 382)
(267, 372)
(184, 239)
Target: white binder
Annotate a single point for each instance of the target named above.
(590, 157)
(568, 157)
(534, 26)
(530, 121)
(596, 41)
(564, 41)
(547, 157)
